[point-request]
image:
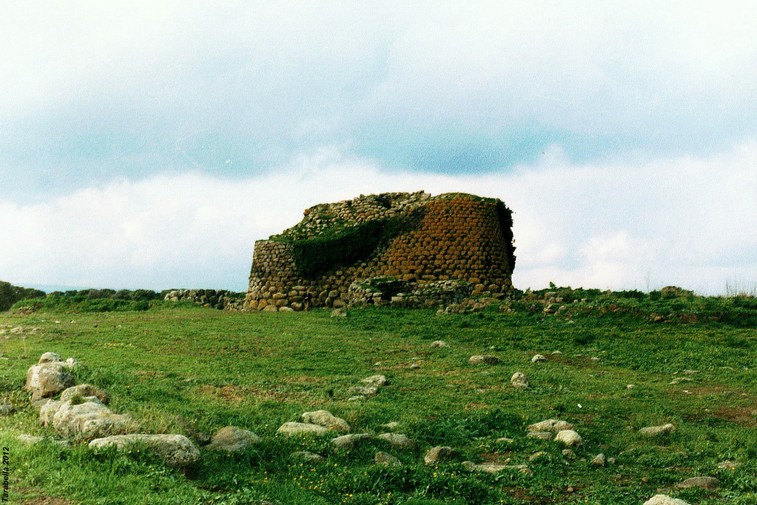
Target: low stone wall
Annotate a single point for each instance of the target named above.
(211, 298)
(454, 237)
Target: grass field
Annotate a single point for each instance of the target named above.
(188, 370)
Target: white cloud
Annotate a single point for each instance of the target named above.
(682, 221)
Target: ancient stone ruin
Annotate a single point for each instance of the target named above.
(408, 249)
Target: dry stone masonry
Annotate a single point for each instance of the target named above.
(406, 249)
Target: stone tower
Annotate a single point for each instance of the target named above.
(404, 248)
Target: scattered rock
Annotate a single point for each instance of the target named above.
(700, 482)
(85, 390)
(438, 454)
(33, 440)
(505, 440)
(48, 378)
(176, 450)
(349, 441)
(728, 465)
(48, 357)
(364, 391)
(307, 457)
(397, 440)
(662, 499)
(568, 454)
(385, 459)
(537, 455)
(487, 359)
(538, 357)
(340, 312)
(326, 419)
(492, 467)
(541, 435)
(86, 420)
(630, 386)
(568, 437)
(554, 425)
(7, 409)
(519, 380)
(439, 343)
(393, 425)
(654, 431)
(232, 439)
(376, 381)
(29, 439)
(599, 460)
(301, 429)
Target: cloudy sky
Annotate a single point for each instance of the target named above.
(149, 144)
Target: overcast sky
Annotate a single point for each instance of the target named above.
(149, 144)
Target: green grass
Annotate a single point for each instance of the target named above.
(188, 370)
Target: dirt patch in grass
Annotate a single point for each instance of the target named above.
(738, 415)
(40, 499)
(237, 394)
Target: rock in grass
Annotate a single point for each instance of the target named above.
(492, 467)
(85, 390)
(397, 440)
(7, 409)
(599, 460)
(553, 425)
(326, 419)
(663, 499)
(488, 359)
(541, 435)
(439, 343)
(307, 457)
(376, 381)
(655, 431)
(700, 482)
(86, 418)
(48, 377)
(349, 441)
(569, 438)
(538, 357)
(364, 391)
(232, 439)
(290, 429)
(438, 454)
(519, 380)
(386, 459)
(729, 465)
(176, 450)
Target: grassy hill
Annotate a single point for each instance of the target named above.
(177, 368)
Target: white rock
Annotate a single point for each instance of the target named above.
(326, 419)
(519, 380)
(438, 454)
(302, 429)
(538, 357)
(654, 431)
(385, 459)
(397, 440)
(662, 499)
(439, 343)
(376, 381)
(349, 441)
(554, 425)
(232, 439)
(479, 359)
(176, 450)
(568, 437)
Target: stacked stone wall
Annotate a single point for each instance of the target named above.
(452, 237)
